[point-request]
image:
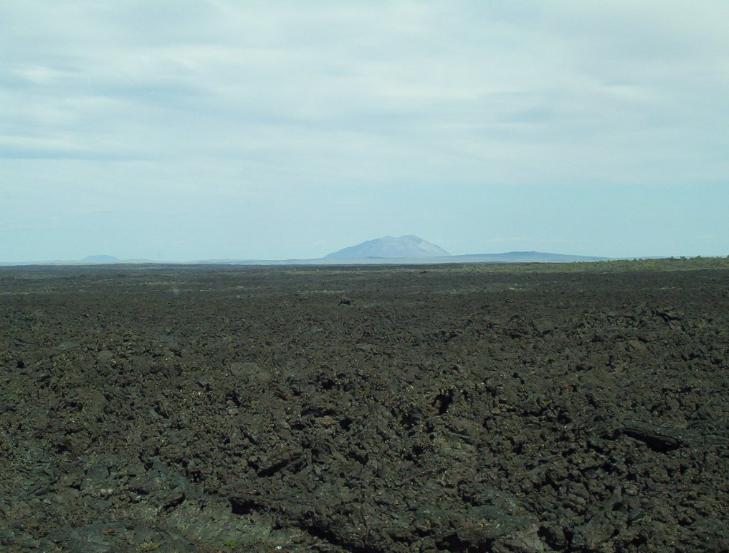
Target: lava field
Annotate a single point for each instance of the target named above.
(474, 408)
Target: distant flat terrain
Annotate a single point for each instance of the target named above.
(509, 408)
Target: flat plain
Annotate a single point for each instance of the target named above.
(506, 408)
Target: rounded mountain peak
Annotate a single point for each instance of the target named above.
(391, 247)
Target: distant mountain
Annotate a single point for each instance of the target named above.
(402, 250)
(99, 260)
(391, 247)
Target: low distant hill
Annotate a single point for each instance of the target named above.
(523, 257)
(99, 260)
(391, 247)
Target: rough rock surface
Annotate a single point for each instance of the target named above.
(440, 409)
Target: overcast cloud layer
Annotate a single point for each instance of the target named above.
(187, 130)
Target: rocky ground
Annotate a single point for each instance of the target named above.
(520, 410)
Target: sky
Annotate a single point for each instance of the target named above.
(184, 130)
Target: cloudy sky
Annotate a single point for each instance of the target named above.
(181, 130)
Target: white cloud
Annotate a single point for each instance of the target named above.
(377, 81)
